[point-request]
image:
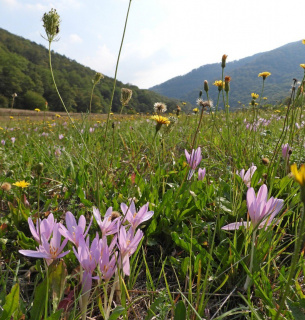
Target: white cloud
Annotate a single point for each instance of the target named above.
(12, 3)
(103, 61)
(75, 39)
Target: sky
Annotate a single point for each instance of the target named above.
(164, 38)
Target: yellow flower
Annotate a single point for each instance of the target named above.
(195, 110)
(111, 113)
(98, 121)
(303, 41)
(57, 115)
(265, 98)
(11, 117)
(37, 110)
(160, 119)
(1, 128)
(299, 175)
(219, 84)
(22, 184)
(277, 111)
(254, 95)
(264, 74)
(183, 103)
(302, 65)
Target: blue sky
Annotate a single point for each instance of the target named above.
(164, 38)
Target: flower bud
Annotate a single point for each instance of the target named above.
(223, 60)
(51, 22)
(97, 78)
(227, 83)
(206, 86)
(126, 95)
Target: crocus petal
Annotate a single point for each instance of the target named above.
(235, 225)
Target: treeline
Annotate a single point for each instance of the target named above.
(24, 70)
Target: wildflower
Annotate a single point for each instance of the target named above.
(22, 184)
(227, 83)
(57, 152)
(51, 22)
(201, 173)
(261, 211)
(254, 95)
(11, 117)
(5, 186)
(58, 116)
(195, 110)
(303, 41)
(299, 175)
(97, 78)
(302, 65)
(43, 227)
(265, 98)
(74, 230)
(160, 107)
(61, 136)
(136, 218)
(219, 84)
(110, 224)
(246, 177)
(264, 74)
(204, 104)
(107, 265)
(223, 60)
(91, 130)
(13, 139)
(286, 151)
(128, 243)
(160, 120)
(3, 142)
(49, 251)
(126, 95)
(193, 160)
(37, 110)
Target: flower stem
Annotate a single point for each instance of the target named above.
(248, 280)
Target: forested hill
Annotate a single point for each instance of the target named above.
(283, 63)
(24, 69)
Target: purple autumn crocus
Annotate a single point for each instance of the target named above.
(136, 218)
(246, 177)
(74, 230)
(61, 136)
(128, 243)
(108, 225)
(49, 251)
(44, 227)
(193, 160)
(3, 142)
(201, 174)
(88, 257)
(108, 261)
(13, 139)
(261, 210)
(286, 151)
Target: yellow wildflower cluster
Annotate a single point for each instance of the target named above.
(22, 184)
(37, 110)
(160, 119)
(254, 95)
(219, 84)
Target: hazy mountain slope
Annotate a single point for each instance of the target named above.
(24, 69)
(283, 63)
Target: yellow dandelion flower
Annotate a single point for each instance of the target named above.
(302, 65)
(265, 98)
(254, 95)
(58, 116)
(277, 111)
(111, 113)
(264, 74)
(160, 119)
(22, 184)
(11, 117)
(37, 110)
(303, 41)
(219, 84)
(195, 110)
(299, 175)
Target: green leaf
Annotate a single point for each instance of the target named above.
(180, 311)
(56, 315)
(39, 301)
(116, 312)
(296, 310)
(57, 277)
(11, 303)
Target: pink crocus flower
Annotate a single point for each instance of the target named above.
(246, 177)
(107, 225)
(46, 227)
(13, 139)
(3, 142)
(201, 173)
(88, 257)
(108, 261)
(128, 243)
(193, 160)
(49, 251)
(261, 211)
(61, 136)
(136, 218)
(74, 230)
(286, 151)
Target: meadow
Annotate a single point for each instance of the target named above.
(191, 215)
